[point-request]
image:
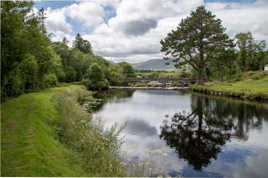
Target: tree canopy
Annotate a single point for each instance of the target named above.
(30, 61)
(252, 53)
(81, 44)
(198, 39)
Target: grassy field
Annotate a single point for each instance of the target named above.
(36, 134)
(252, 86)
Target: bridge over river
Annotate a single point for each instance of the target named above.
(165, 81)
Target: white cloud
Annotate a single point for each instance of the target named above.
(89, 13)
(56, 22)
(243, 18)
(135, 31)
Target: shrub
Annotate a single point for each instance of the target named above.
(49, 80)
(98, 85)
(96, 150)
(137, 84)
(95, 78)
(177, 84)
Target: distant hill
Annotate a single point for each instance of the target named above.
(153, 64)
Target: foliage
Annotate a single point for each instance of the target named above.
(128, 69)
(251, 55)
(223, 67)
(95, 78)
(137, 84)
(197, 40)
(177, 84)
(25, 53)
(82, 45)
(76, 63)
(29, 61)
(50, 80)
(96, 149)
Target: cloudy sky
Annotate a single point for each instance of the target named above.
(130, 30)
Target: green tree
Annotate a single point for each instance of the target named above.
(252, 52)
(22, 45)
(81, 44)
(198, 39)
(96, 78)
(95, 73)
(28, 72)
(128, 69)
(224, 66)
(115, 74)
(65, 41)
(12, 23)
(244, 41)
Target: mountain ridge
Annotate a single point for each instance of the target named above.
(154, 64)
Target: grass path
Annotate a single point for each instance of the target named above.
(28, 147)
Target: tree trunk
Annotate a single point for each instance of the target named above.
(201, 64)
(201, 75)
(262, 64)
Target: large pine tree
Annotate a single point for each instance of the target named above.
(198, 39)
(81, 44)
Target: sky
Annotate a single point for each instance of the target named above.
(131, 30)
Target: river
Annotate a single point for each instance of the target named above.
(178, 133)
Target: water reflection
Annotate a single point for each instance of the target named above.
(213, 137)
(112, 96)
(198, 136)
(140, 127)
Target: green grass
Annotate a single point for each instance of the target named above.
(137, 84)
(29, 141)
(253, 86)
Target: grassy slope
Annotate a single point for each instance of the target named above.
(28, 145)
(252, 85)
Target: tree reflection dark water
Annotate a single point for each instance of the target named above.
(115, 95)
(198, 136)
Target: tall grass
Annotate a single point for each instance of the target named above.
(96, 150)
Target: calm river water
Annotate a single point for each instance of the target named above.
(173, 133)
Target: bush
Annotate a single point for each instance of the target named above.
(96, 150)
(137, 84)
(50, 80)
(177, 84)
(98, 85)
(186, 74)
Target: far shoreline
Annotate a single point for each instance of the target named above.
(149, 88)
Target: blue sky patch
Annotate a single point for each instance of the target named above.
(53, 4)
(109, 13)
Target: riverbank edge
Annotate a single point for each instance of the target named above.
(242, 95)
(29, 145)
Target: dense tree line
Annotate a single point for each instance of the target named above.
(30, 61)
(201, 42)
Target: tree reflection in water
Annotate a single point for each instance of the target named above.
(198, 136)
(115, 95)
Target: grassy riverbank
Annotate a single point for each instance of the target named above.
(252, 86)
(46, 134)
